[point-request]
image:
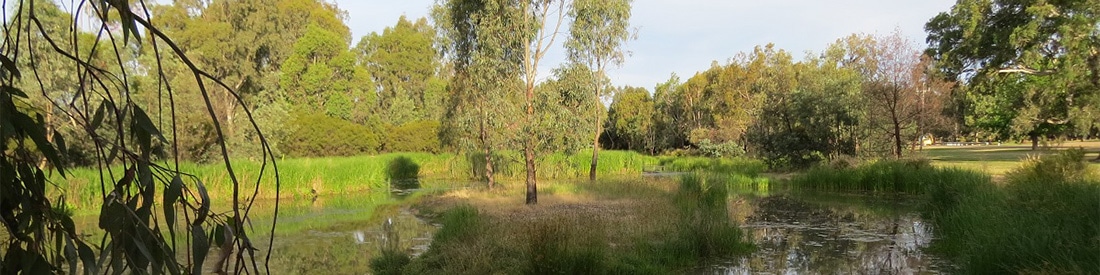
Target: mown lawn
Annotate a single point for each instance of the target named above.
(998, 159)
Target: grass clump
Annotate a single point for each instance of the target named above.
(704, 225)
(1045, 219)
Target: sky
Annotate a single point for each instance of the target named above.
(685, 36)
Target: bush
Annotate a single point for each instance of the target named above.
(727, 149)
(416, 136)
(403, 173)
(318, 135)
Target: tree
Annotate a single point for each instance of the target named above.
(322, 76)
(599, 30)
(563, 107)
(901, 96)
(630, 118)
(102, 105)
(536, 36)
(667, 114)
(404, 63)
(487, 62)
(244, 42)
(1039, 58)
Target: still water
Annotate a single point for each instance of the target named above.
(830, 235)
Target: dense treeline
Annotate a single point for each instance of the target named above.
(419, 86)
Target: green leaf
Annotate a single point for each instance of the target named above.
(140, 245)
(171, 195)
(87, 256)
(200, 246)
(204, 206)
(10, 66)
(36, 133)
(146, 124)
(100, 112)
(71, 255)
(219, 235)
(13, 91)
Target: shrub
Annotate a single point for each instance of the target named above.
(403, 173)
(416, 136)
(318, 135)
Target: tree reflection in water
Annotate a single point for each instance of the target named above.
(796, 237)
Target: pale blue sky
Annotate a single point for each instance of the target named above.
(685, 36)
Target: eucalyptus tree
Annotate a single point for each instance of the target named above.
(477, 38)
(1037, 63)
(405, 65)
(244, 42)
(101, 104)
(599, 30)
(540, 21)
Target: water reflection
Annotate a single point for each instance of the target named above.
(796, 237)
(341, 235)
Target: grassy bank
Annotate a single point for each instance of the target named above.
(624, 226)
(998, 160)
(1043, 218)
(307, 177)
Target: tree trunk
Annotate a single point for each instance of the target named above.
(595, 147)
(484, 136)
(897, 138)
(529, 147)
(1034, 141)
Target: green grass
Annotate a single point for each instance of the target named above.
(308, 177)
(998, 160)
(913, 177)
(740, 166)
(1044, 219)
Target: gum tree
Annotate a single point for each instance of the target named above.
(600, 29)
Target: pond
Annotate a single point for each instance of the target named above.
(793, 233)
(821, 234)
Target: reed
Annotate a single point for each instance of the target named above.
(1044, 220)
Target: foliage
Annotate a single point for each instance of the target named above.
(405, 63)
(1033, 65)
(403, 173)
(105, 111)
(416, 136)
(316, 135)
(630, 119)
